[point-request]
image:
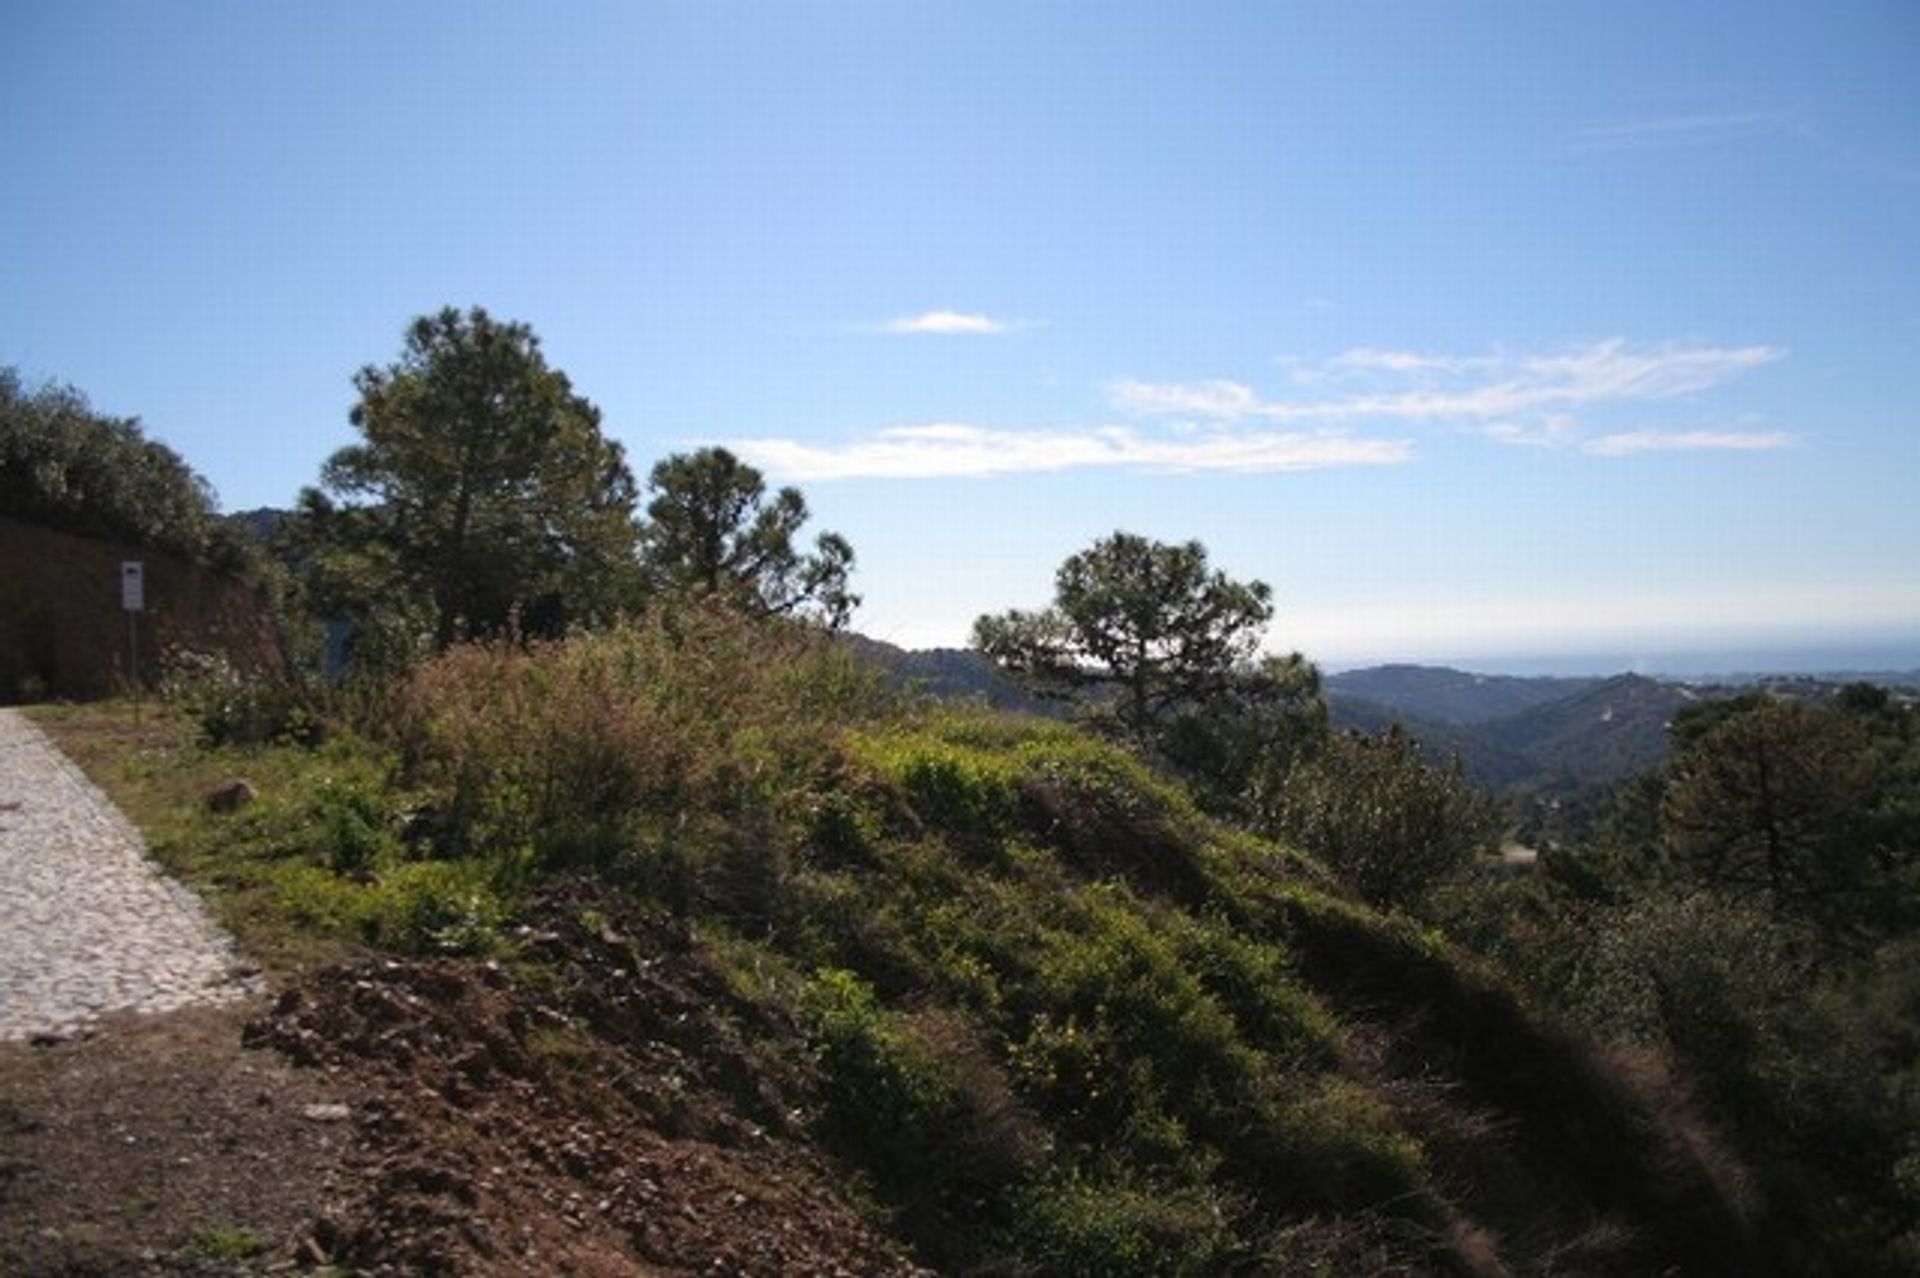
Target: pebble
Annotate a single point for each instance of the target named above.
(89, 926)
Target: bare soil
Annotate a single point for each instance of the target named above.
(159, 1145)
(609, 1110)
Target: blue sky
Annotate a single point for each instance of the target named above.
(1482, 332)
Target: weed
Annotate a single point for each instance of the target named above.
(225, 1244)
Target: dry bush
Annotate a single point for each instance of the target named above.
(577, 751)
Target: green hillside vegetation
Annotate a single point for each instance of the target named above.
(1745, 915)
(1067, 1023)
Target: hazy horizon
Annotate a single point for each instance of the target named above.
(1703, 665)
(1894, 657)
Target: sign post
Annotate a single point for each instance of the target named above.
(133, 598)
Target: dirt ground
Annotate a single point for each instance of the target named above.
(617, 1116)
(159, 1145)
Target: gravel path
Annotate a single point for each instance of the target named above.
(88, 925)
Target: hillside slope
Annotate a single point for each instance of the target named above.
(1444, 695)
(1043, 1013)
(767, 972)
(1604, 731)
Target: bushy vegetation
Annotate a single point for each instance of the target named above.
(1063, 1020)
(1031, 1010)
(1393, 824)
(67, 466)
(1746, 914)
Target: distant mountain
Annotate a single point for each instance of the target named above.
(950, 672)
(1441, 695)
(1588, 732)
(1487, 763)
(1602, 734)
(1553, 736)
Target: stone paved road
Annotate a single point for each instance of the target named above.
(88, 925)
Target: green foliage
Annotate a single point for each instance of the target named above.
(1234, 745)
(1380, 815)
(713, 532)
(1081, 1226)
(236, 709)
(916, 1100)
(355, 825)
(1745, 914)
(1147, 620)
(1771, 802)
(226, 1244)
(415, 907)
(66, 466)
(1059, 1020)
(482, 484)
(1777, 1047)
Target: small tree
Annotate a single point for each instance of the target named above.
(482, 483)
(1144, 622)
(1771, 803)
(1235, 745)
(712, 530)
(1391, 823)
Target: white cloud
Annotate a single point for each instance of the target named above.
(1483, 388)
(1222, 425)
(1550, 431)
(945, 323)
(1372, 359)
(1629, 443)
(949, 450)
(1224, 400)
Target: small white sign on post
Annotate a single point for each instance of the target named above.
(133, 585)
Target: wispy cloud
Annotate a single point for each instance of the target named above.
(1630, 443)
(1218, 399)
(1550, 431)
(1344, 415)
(946, 323)
(952, 450)
(1368, 359)
(1726, 128)
(1699, 129)
(1469, 388)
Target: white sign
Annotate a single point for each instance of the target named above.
(133, 585)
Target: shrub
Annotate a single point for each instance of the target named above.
(576, 751)
(1391, 823)
(351, 816)
(916, 1100)
(234, 709)
(1078, 1225)
(423, 907)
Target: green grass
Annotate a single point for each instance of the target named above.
(226, 1244)
(313, 869)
